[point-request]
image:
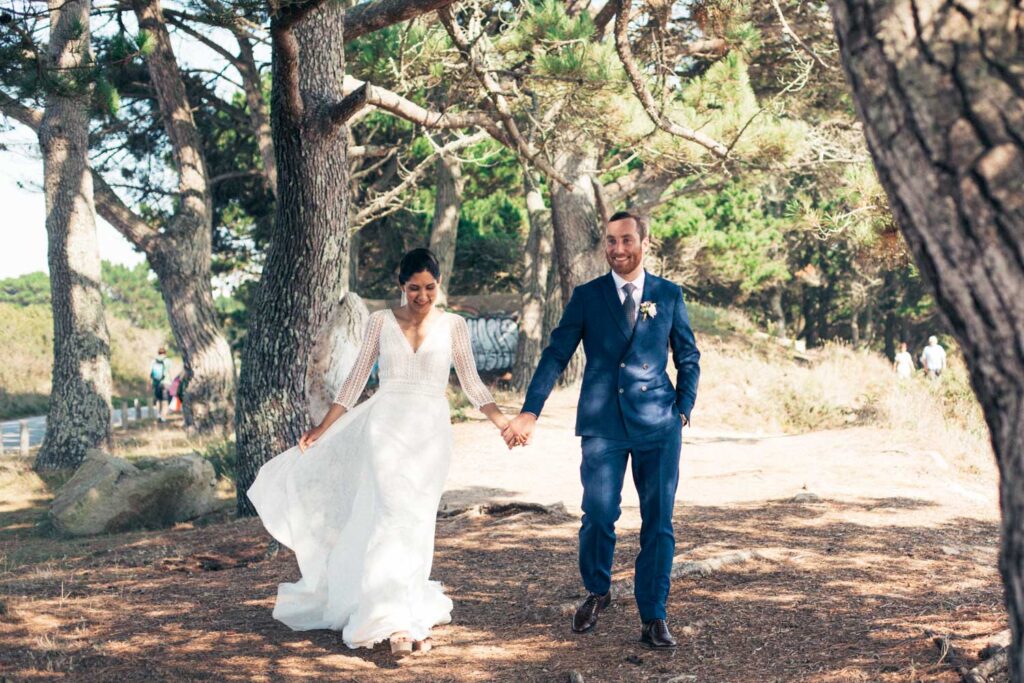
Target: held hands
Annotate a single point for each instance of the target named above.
(519, 431)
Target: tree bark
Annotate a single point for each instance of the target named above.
(180, 255)
(536, 267)
(855, 327)
(306, 271)
(253, 85)
(183, 270)
(826, 294)
(939, 87)
(810, 301)
(445, 229)
(578, 234)
(777, 312)
(79, 414)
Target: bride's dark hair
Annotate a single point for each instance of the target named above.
(418, 261)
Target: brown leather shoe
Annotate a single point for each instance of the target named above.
(656, 636)
(586, 614)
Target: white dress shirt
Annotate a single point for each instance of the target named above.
(637, 293)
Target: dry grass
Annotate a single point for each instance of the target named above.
(751, 383)
(26, 335)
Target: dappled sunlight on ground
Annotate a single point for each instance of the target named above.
(839, 600)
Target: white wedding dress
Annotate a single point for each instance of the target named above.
(359, 506)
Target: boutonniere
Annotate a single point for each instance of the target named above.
(648, 309)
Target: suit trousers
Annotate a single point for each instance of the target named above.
(655, 465)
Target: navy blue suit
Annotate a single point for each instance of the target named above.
(627, 408)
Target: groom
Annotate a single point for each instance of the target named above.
(628, 412)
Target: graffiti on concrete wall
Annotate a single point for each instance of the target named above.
(494, 339)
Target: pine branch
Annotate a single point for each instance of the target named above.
(383, 204)
(519, 144)
(636, 78)
(108, 204)
(362, 94)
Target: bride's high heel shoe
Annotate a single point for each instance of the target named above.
(401, 644)
(422, 647)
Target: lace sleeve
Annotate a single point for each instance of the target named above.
(465, 366)
(360, 372)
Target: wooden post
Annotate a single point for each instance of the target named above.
(23, 424)
(151, 404)
(124, 414)
(138, 411)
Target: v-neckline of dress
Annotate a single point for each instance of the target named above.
(426, 337)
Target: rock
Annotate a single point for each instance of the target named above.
(806, 497)
(109, 494)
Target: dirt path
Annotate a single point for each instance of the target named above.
(723, 468)
(901, 544)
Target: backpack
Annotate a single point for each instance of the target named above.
(157, 370)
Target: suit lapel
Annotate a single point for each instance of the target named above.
(611, 297)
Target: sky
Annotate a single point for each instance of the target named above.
(22, 206)
(23, 209)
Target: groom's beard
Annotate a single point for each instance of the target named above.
(627, 265)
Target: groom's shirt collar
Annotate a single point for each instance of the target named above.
(638, 283)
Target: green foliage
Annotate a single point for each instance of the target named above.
(561, 44)
(145, 43)
(233, 312)
(224, 457)
(26, 290)
(131, 294)
(14, 406)
(108, 98)
(738, 242)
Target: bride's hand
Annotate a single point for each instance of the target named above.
(309, 437)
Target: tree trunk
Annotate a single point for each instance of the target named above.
(79, 414)
(825, 296)
(578, 234)
(445, 229)
(890, 335)
(183, 270)
(940, 91)
(254, 101)
(354, 245)
(855, 327)
(180, 255)
(306, 270)
(536, 267)
(776, 311)
(889, 313)
(870, 316)
(810, 316)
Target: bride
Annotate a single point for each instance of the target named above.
(357, 498)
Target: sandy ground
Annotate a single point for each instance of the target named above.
(724, 468)
(900, 545)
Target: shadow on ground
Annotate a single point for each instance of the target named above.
(862, 584)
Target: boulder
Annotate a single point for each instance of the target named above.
(109, 494)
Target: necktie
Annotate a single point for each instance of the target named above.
(628, 305)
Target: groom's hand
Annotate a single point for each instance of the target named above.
(520, 430)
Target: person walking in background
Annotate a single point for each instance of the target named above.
(159, 372)
(933, 358)
(175, 392)
(903, 363)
